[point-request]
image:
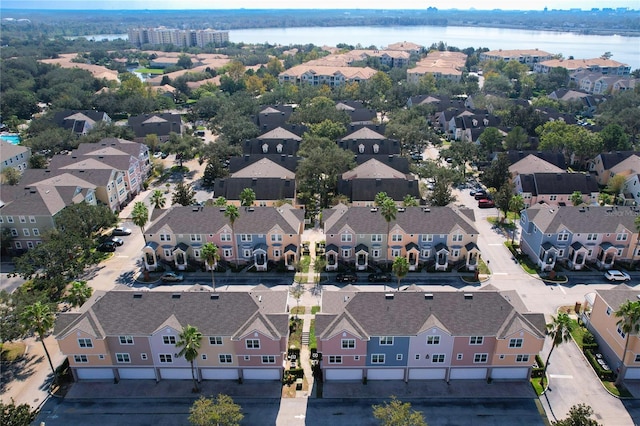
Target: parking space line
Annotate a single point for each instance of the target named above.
(561, 376)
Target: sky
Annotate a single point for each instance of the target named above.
(326, 4)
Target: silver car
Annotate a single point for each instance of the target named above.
(615, 275)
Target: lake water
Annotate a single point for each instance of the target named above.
(624, 49)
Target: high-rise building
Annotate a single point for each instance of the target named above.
(180, 38)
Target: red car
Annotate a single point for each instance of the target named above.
(486, 203)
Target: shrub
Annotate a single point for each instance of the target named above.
(606, 375)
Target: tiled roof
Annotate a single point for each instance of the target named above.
(583, 219)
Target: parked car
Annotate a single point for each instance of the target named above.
(379, 277)
(480, 194)
(172, 277)
(615, 275)
(107, 247)
(120, 231)
(486, 203)
(346, 278)
(115, 240)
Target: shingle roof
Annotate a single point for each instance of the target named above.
(264, 168)
(610, 159)
(289, 162)
(374, 169)
(119, 312)
(617, 296)
(583, 219)
(9, 150)
(564, 183)
(533, 164)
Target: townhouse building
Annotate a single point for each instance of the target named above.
(555, 189)
(276, 141)
(16, 156)
(369, 140)
(317, 75)
(599, 317)
(596, 65)
(79, 122)
(415, 335)
(579, 235)
(433, 237)
(120, 335)
(159, 124)
(524, 56)
(260, 237)
(603, 166)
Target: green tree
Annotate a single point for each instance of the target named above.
(152, 141)
(140, 215)
(247, 197)
(11, 176)
(461, 152)
(158, 199)
(16, 415)
(37, 161)
(559, 329)
(400, 268)
(490, 140)
(579, 415)
(186, 147)
(517, 138)
(232, 213)
(40, 319)
(629, 323)
(220, 202)
(498, 172)
(221, 412)
(189, 340)
(317, 110)
(296, 291)
(327, 129)
(319, 264)
(615, 185)
(183, 194)
(503, 198)
(184, 61)
(614, 138)
(84, 220)
(410, 201)
(398, 413)
(78, 293)
(211, 256)
(576, 198)
(380, 198)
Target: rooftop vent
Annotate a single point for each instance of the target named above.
(401, 210)
(195, 208)
(428, 296)
(175, 296)
(215, 296)
(373, 210)
(468, 296)
(388, 296)
(426, 210)
(137, 295)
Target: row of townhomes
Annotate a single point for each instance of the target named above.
(110, 172)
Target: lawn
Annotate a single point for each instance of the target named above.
(315, 309)
(298, 310)
(312, 335)
(11, 351)
(304, 264)
(577, 332)
(619, 391)
(295, 338)
(155, 71)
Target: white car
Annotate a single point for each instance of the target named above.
(614, 275)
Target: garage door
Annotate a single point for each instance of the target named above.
(427, 374)
(519, 373)
(175, 373)
(385, 374)
(632, 374)
(94, 373)
(137, 373)
(219, 374)
(262, 374)
(468, 373)
(343, 374)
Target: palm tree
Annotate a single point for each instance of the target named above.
(140, 215)
(247, 197)
(559, 329)
(211, 256)
(78, 293)
(40, 319)
(189, 341)
(158, 199)
(232, 213)
(388, 210)
(400, 268)
(629, 314)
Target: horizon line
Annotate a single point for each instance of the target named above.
(473, 9)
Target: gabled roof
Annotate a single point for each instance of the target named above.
(533, 164)
(364, 133)
(555, 158)
(618, 295)
(264, 168)
(280, 133)
(9, 150)
(564, 183)
(289, 162)
(583, 219)
(374, 169)
(610, 159)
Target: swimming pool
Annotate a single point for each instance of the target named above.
(12, 138)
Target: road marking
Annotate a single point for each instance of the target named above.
(561, 376)
(300, 416)
(122, 255)
(495, 244)
(500, 273)
(561, 289)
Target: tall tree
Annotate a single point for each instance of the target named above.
(615, 185)
(400, 268)
(232, 213)
(11, 176)
(211, 256)
(388, 210)
(503, 198)
(410, 201)
(158, 199)
(221, 412)
(629, 323)
(490, 140)
(183, 194)
(498, 172)
(78, 293)
(296, 291)
(559, 329)
(140, 215)
(576, 198)
(40, 319)
(189, 340)
(396, 413)
(517, 138)
(247, 197)
(579, 415)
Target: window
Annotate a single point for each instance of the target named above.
(637, 358)
(395, 252)
(427, 238)
(455, 253)
(425, 253)
(247, 252)
(80, 358)
(195, 237)
(396, 237)
(609, 310)
(348, 343)
(126, 340)
(14, 232)
(225, 359)
(225, 237)
(560, 252)
(346, 252)
(501, 356)
(26, 232)
(592, 237)
(433, 340)
(480, 358)
(253, 344)
(377, 359)
(376, 238)
(204, 356)
(398, 357)
(9, 219)
(476, 340)
(522, 358)
(167, 253)
(246, 238)
(32, 219)
(515, 343)
(169, 340)
(268, 359)
(335, 359)
(621, 333)
(227, 252)
(22, 219)
(165, 358)
(101, 356)
(123, 358)
(276, 238)
(85, 343)
(215, 340)
(346, 238)
(196, 253)
(29, 244)
(553, 197)
(417, 356)
(247, 357)
(376, 253)
(622, 237)
(459, 357)
(386, 341)
(457, 237)
(563, 237)
(36, 232)
(437, 358)
(143, 357)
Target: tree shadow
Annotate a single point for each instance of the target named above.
(19, 370)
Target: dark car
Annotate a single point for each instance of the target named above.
(346, 278)
(480, 194)
(120, 232)
(486, 203)
(115, 240)
(379, 277)
(107, 247)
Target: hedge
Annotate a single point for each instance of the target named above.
(606, 375)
